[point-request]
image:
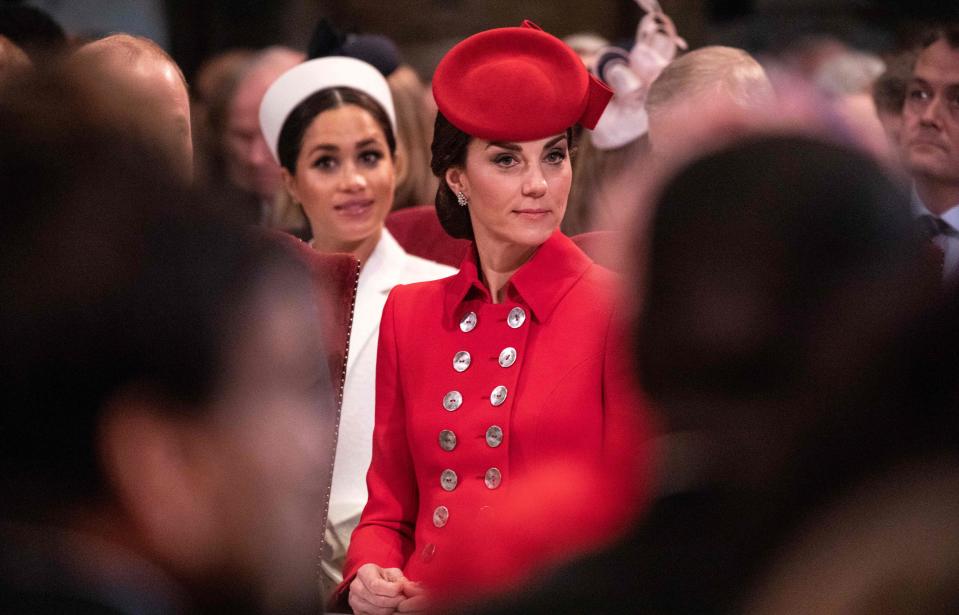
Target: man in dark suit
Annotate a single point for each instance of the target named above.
(930, 141)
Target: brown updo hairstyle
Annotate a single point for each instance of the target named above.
(449, 150)
(299, 120)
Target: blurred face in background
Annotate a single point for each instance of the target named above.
(249, 162)
(930, 132)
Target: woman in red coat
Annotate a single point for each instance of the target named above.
(510, 366)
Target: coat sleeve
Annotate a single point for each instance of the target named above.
(384, 535)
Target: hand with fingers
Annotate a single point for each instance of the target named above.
(415, 598)
(378, 591)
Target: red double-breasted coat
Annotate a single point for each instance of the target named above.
(472, 396)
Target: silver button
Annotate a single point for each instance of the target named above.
(452, 400)
(448, 480)
(498, 396)
(507, 357)
(440, 516)
(428, 552)
(516, 318)
(461, 361)
(494, 436)
(493, 478)
(468, 323)
(447, 440)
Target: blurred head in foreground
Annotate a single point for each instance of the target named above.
(144, 84)
(785, 286)
(164, 393)
(711, 81)
(12, 59)
(779, 272)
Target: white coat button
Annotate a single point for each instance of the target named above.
(452, 400)
(468, 323)
(448, 480)
(493, 478)
(447, 440)
(494, 436)
(440, 516)
(498, 396)
(507, 357)
(516, 318)
(461, 361)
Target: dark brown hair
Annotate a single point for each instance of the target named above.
(294, 127)
(889, 90)
(449, 150)
(949, 32)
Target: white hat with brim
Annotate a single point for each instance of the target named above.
(303, 80)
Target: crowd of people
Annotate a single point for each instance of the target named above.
(572, 328)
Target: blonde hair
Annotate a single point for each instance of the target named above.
(714, 69)
(415, 183)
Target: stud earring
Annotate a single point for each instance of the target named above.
(462, 199)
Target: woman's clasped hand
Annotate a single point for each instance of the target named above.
(384, 591)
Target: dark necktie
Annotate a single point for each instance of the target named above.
(932, 227)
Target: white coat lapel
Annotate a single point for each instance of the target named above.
(380, 274)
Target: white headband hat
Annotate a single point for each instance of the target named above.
(303, 80)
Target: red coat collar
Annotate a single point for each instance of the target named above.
(540, 283)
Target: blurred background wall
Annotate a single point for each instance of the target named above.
(192, 30)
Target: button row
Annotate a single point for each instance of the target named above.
(449, 480)
(494, 437)
(462, 359)
(515, 320)
(454, 399)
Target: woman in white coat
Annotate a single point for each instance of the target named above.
(331, 125)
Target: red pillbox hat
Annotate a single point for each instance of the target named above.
(517, 84)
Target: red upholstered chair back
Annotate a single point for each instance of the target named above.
(418, 231)
(335, 277)
(604, 247)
